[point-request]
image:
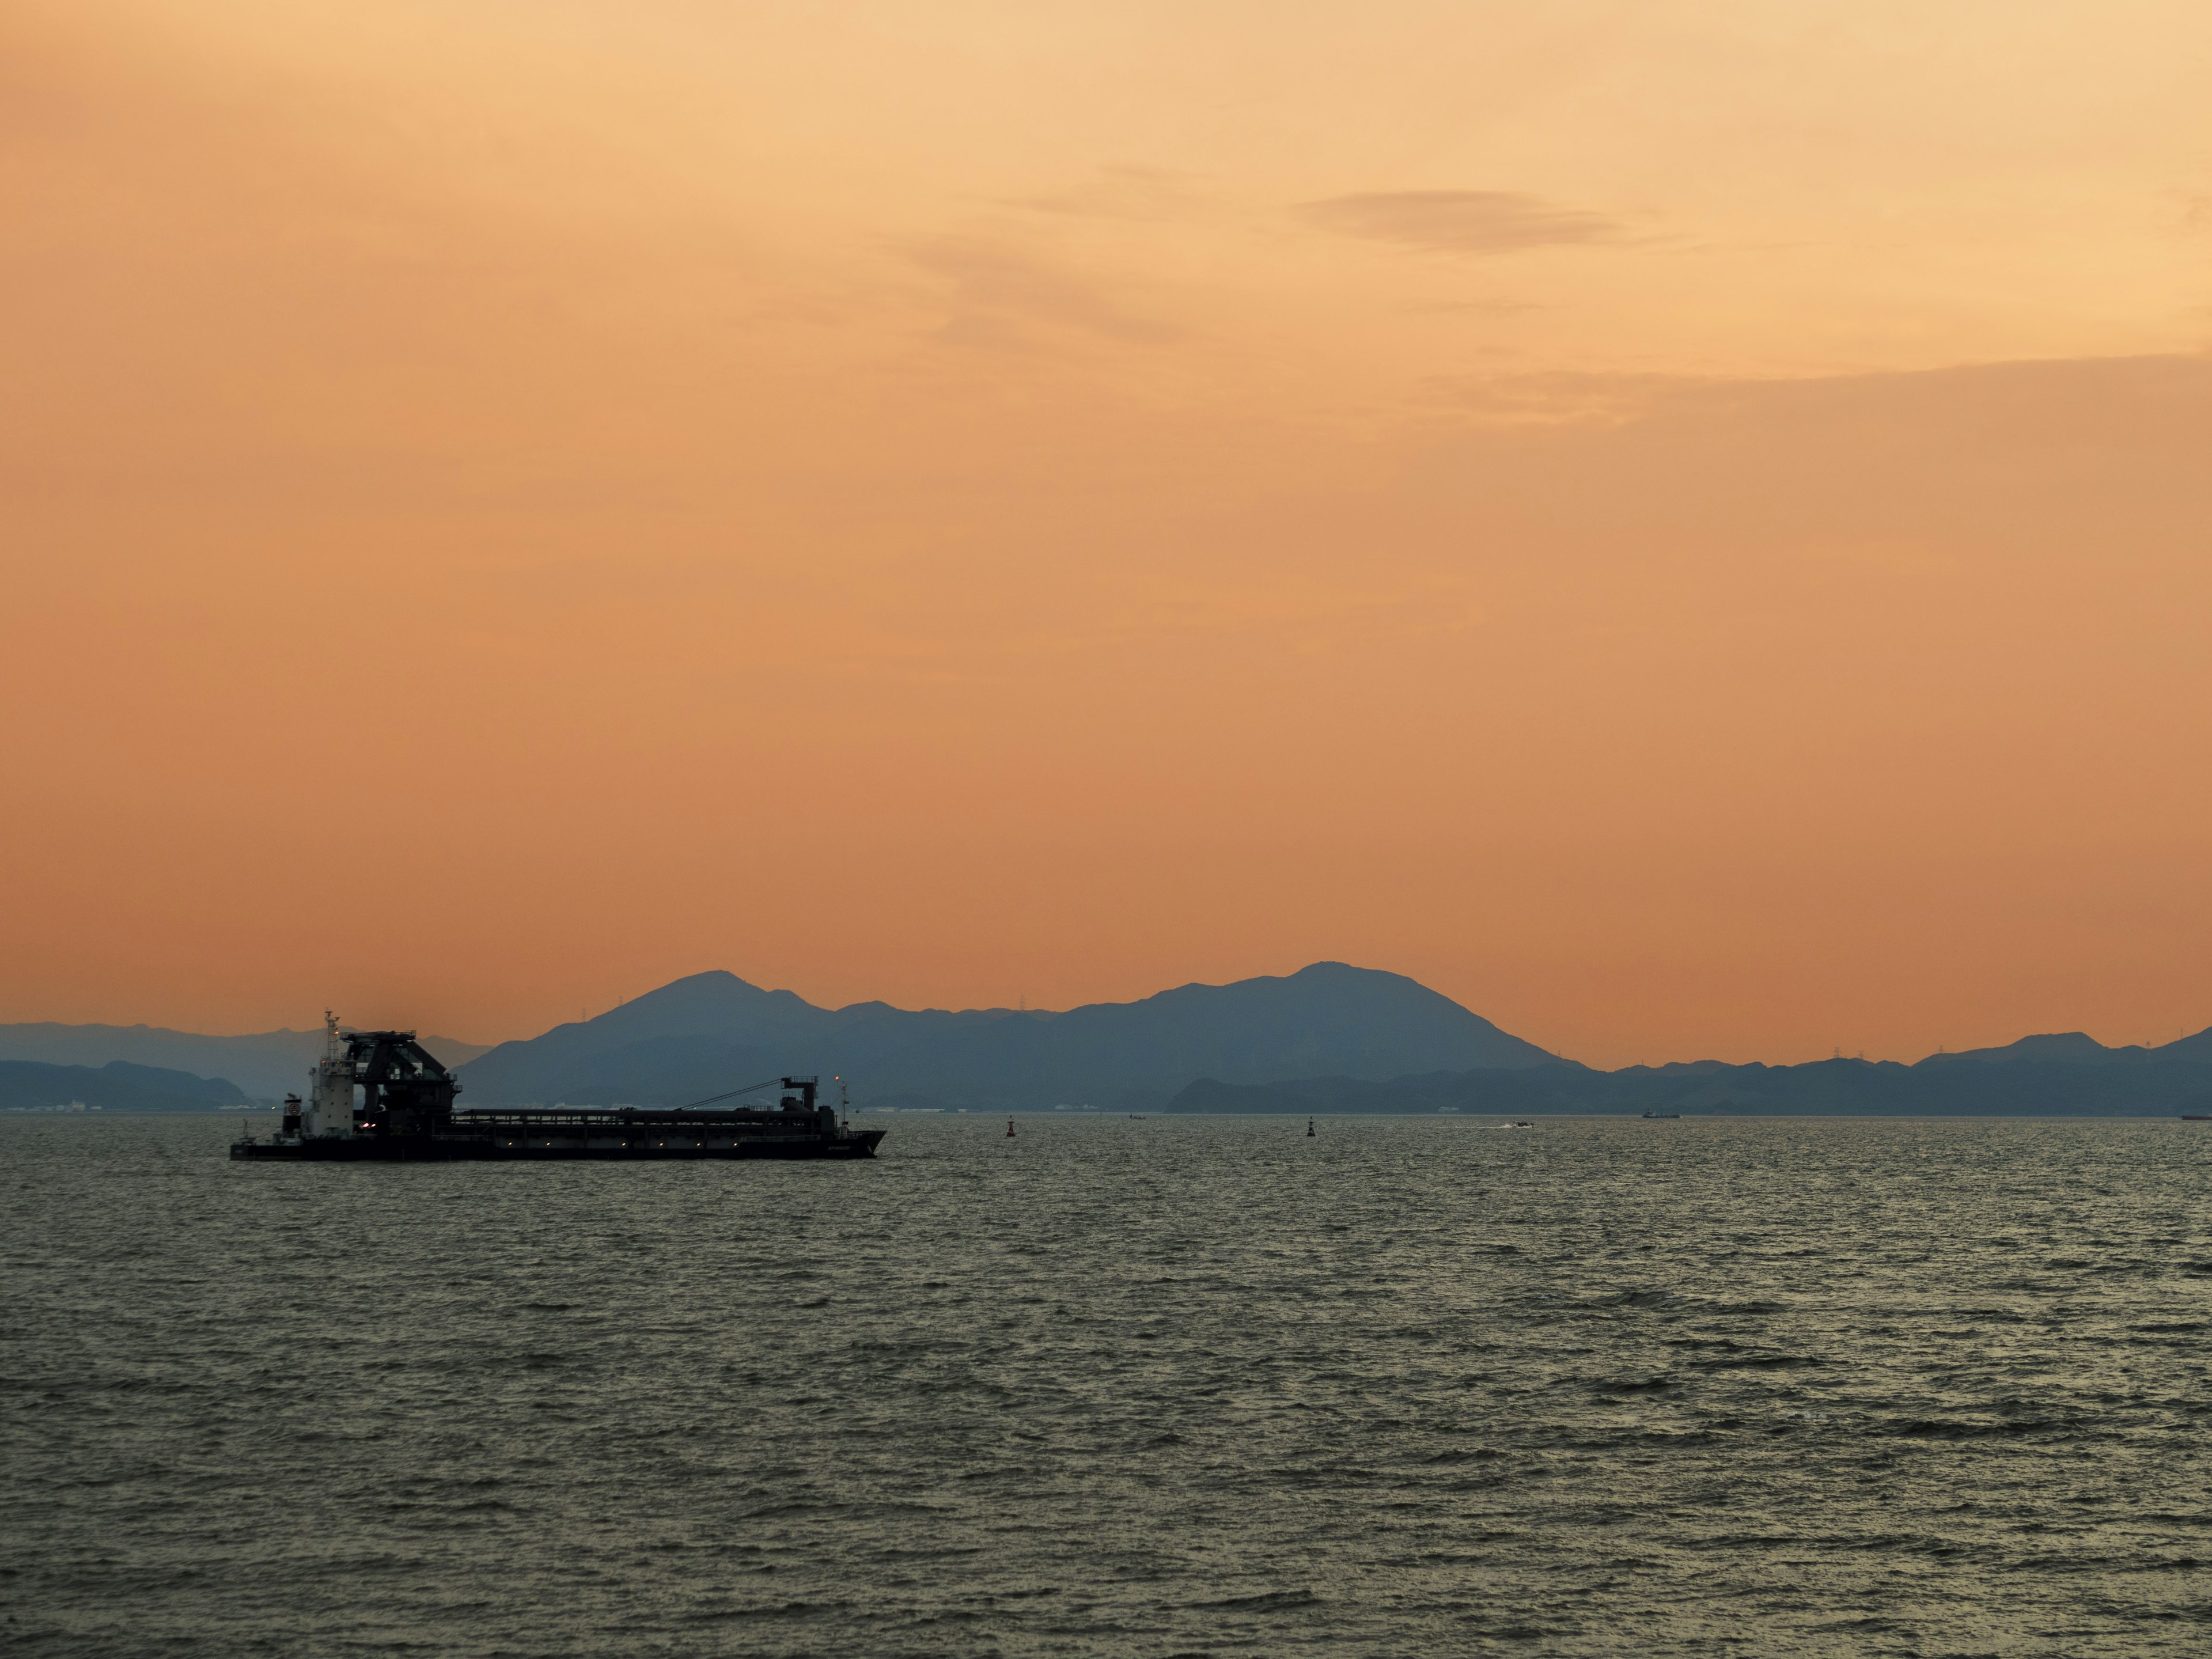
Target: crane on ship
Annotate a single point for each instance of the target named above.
(801, 1102)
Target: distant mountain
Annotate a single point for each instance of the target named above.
(267, 1065)
(711, 1031)
(1327, 1038)
(118, 1086)
(2076, 1047)
(2047, 1076)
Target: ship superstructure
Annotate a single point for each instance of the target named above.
(381, 1096)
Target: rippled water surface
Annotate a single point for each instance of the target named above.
(1167, 1386)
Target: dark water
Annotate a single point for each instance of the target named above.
(1115, 1387)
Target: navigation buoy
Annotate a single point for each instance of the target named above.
(1309, 1128)
(1010, 1128)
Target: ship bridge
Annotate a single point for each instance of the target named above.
(403, 1088)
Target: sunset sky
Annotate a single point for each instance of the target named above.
(1687, 527)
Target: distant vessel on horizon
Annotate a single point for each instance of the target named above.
(405, 1113)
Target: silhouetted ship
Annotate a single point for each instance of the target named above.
(380, 1095)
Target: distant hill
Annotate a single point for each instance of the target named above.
(267, 1065)
(1328, 1038)
(2069, 1075)
(2074, 1048)
(118, 1086)
(709, 1032)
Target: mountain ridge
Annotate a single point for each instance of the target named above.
(30, 1085)
(707, 1030)
(1327, 1037)
(2060, 1080)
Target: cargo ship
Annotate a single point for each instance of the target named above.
(380, 1096)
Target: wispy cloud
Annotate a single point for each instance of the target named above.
(1482, 308)
(993, 280)
(1124, 192)
(2190, 211)
(1459, 221)
(1559, 398)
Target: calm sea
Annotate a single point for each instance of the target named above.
(1117, 1386)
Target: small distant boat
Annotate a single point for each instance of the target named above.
(1664, 1117)
(1517, 1123)
(2197, 1117)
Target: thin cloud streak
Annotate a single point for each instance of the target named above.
(1136, 193)
(1485, 222)
(993, 280)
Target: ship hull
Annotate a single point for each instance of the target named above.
(442, 1149)
(569, 1134)
(539, 1135)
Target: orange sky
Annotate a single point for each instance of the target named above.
(1687, 527)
